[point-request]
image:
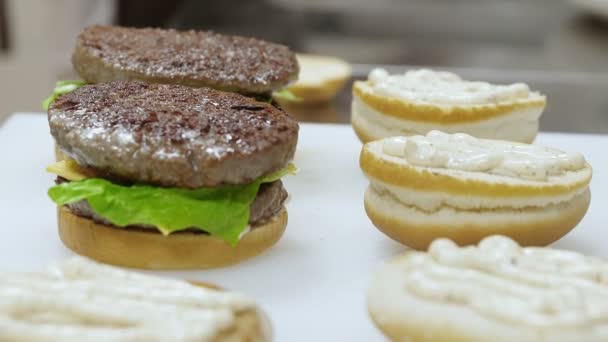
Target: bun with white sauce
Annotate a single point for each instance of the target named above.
(423, 100)
(496, 291)
(81, 300)
(465, 188)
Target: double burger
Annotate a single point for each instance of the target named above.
(171, 152)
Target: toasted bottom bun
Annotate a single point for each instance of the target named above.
(529, 226)
(370, 125)
(152, 250)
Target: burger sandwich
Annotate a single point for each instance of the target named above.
(166, 176)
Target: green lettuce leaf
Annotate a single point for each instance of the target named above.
(286, 95)
(61, 87)
(222, 212)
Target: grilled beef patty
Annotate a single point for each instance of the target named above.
(192, 58)
(267, 204)
(171, 135)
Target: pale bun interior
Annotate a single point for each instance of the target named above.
(533, 226)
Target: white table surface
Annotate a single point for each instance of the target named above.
(312, 283)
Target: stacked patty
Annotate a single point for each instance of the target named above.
(193, 58)
(168, 158)
(172, 135)
(176, 137)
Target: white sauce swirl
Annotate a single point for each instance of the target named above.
(535, 286)
(85, 301)
(466, 153)
(444, 88)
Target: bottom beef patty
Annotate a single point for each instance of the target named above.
(268, 202)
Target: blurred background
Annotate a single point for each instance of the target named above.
(559, 47)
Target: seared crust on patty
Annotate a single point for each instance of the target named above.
(193, 58)
(172, 136)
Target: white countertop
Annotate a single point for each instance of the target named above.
(312, 283)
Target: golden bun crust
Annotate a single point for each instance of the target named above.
(321, 78)
(531, 226)
(424, 112)
(151, 250)
(318, 94)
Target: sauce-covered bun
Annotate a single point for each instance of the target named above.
(419, 101)
(496, 291)
(465, 188)
(80, 300)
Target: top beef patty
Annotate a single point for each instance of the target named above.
(171, 135)
(193, 58)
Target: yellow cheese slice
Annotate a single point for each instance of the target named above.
(70, 170)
